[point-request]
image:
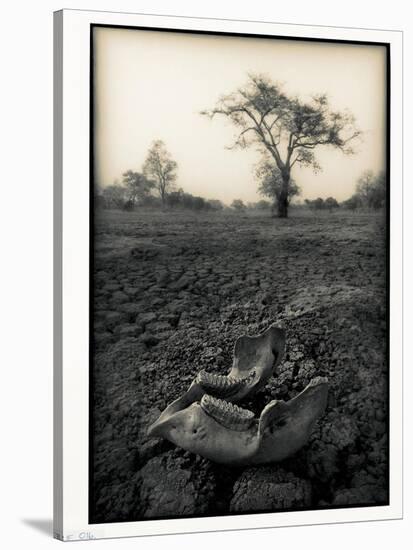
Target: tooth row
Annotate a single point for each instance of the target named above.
(226, 413)
(222, 385)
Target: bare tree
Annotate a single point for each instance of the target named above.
(287, 128)
(161, 169)
(371, 191)
(364, 185)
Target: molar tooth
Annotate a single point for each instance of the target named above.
(226, 413)
(223, 386)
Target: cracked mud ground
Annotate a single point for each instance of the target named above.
(173, 291)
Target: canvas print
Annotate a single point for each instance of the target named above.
(239, 274)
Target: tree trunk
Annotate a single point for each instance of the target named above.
(283, 198)
(283, 207)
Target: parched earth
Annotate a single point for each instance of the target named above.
(173, 291)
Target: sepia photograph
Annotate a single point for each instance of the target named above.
(239, 274)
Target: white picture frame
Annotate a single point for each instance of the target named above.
(72, 41)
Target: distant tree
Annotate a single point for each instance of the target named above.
(128, 206)
(98, 199)
(114, 195)
(263, 205)
(187, 200)
(331, 203)
(371, 189)
(152, 202)
(137, 186)
(370, 192)
(174, 198)
(316, 204)
(238, 205)
(365, 183)
(286, 128)
(353, 202)
(215, 204)
(271, 182)
(161, 169)
(198, 203)
(377, 195)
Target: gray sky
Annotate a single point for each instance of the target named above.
(152, 85)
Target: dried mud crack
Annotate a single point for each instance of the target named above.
(170, 303)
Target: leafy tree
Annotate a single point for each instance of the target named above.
(137, 186)
(263, 205)
(114, 195)
(174, 199)
(331, 203)
(128, 206)
(271, 182)
(317, 204)
(370, 192)
(377, 195)
(353, 202)
(161, 169)
(215, 204)
(187, 200)
(238, 205)
(199, 203)
(287, 128)
(98, 199)
(152, 202)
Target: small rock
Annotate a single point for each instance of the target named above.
(269, 488)
(169, 488)
(144, 319)
(113, 319)
(119, 297)
(182, 283)
(149, 339)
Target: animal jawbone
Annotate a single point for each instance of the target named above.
(232, 435)
(205, 420)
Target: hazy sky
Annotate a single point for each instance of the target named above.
(152, 85)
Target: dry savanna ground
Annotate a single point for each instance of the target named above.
(173, 290)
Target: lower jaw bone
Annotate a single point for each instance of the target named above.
(227, 434)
